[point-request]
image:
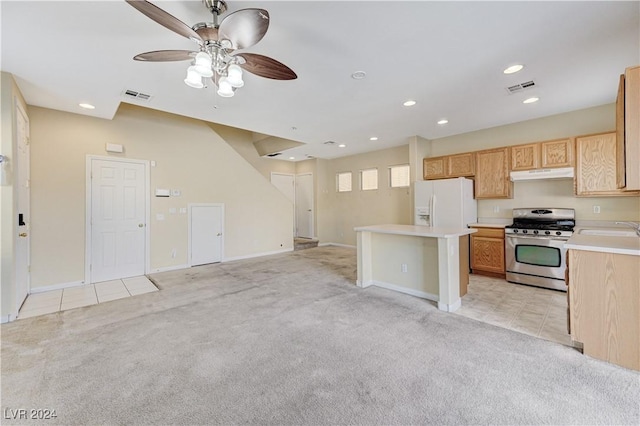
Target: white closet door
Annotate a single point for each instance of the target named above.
(205, 224)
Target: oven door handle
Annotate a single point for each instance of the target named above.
(536, 238)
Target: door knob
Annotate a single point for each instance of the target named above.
(219, 234)
(22, 234)
(141, 225)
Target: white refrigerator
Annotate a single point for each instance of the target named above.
(445, 203)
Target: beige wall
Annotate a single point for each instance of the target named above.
(9, 96)
(547, 193)
(189, 156)
(339, 213)
(238, 140)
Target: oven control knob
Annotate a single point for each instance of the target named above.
(535, 232)
(515, 231)
(547, 232)
(524, 231)
(558, 233)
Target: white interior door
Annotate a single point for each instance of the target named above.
(286, 184)
(205, 233)
(23, 276)
(118, 216)
(304, 205)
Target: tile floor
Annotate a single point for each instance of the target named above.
(530, 310)
(76, 297)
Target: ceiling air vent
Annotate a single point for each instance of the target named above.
(138, 95)
(520, 87)
(275, 154)
(329, 143)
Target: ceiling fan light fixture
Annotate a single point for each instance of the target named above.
(234, 76)
(203, 65)
(225, 89)
(194, 79)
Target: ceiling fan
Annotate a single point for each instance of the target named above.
(216, 57)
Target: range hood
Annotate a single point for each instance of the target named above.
(559, 173)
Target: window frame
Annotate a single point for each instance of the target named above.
(338, 182)
(362, 179)
(408, 166)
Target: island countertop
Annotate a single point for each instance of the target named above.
(416, 230)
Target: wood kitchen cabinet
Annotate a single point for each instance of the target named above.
(556, 153)
(487, 252)
(525, 157)
(492, 174)
(545, 155)
(449, 166)
(628, 130)
(604, 299)
(596, 166)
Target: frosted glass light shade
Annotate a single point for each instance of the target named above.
(234, 76)
(203, 64)
(224, 88)
(194, 79)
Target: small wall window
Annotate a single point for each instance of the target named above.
(399, 176)
(343, 182)
(369, 179)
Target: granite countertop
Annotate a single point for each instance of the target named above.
(604, 243)
(417, 230)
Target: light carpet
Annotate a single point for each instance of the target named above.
(289, 339)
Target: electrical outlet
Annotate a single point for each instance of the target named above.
(403, 267)
(596, 209)
(496, 209)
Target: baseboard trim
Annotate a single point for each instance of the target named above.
(251, 256)
(7, 318)
(337, 245)
(60, 286)
(450, 308)
(410, 291)
(170, 268)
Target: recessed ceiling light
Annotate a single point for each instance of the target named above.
(292, 158)
(530, 100)
(409, 103)
(341, 145)
(513, 69)
(373, 138)
(358, 75)
(443, 121)
(87, 106)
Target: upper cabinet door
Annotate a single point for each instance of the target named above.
(461, 165)
(492, 174)
(557, 153)
(525, 157)
(434, 168)
(596, 166)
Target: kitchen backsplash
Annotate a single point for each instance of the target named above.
(559, 193)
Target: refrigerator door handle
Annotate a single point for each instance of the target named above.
(433, 210)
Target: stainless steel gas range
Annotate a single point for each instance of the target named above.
(534, 246)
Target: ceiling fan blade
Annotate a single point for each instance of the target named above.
(266, 67)
(244, 28)
(165, 19)
(166, 56)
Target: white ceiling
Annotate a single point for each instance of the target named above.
(448, 56)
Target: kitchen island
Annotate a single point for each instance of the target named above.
(418, 260)
(604, 294)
